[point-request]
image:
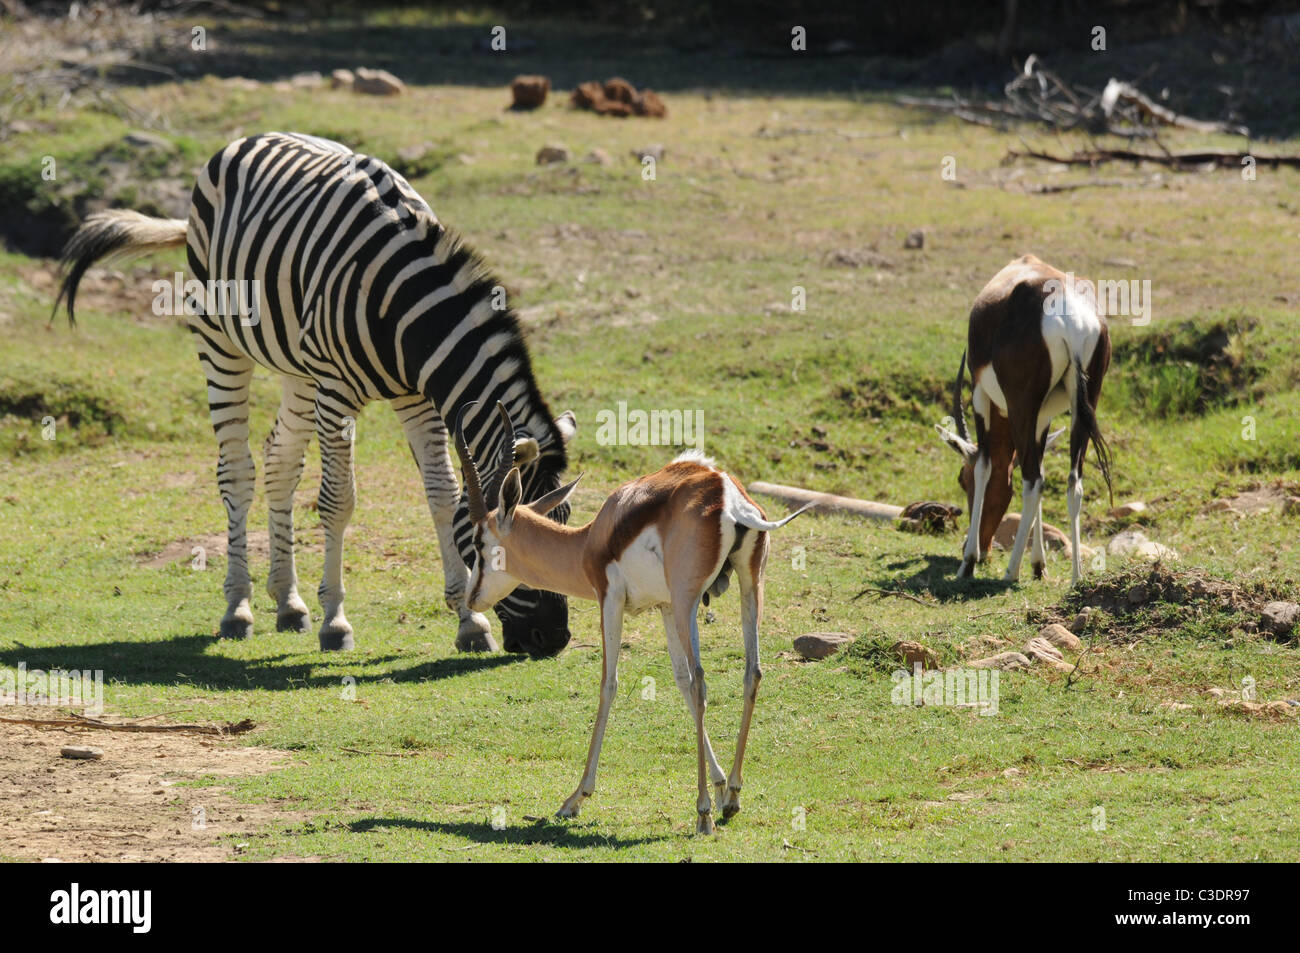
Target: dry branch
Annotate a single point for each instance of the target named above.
(1216, 157)
(84, 722)
(827, 502)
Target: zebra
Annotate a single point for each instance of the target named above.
(361, 294)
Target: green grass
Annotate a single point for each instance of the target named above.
(676, 294)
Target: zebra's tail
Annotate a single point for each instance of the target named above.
(115, 234)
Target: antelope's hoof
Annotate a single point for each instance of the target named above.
(729, 807)
(570, 807)
(293, 620)
(336, 637)
(705, 824)
(475, 635)
(237, 624)
(967, 569)
(1039, 570)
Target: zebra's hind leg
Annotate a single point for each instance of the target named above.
(336, 414)
(229, 373)
(427, 434)
(286, 447)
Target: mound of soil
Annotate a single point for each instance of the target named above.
(1155, 601)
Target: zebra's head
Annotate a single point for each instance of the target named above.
(533, 622)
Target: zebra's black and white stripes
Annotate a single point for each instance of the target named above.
(359, 294)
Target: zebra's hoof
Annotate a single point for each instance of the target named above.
(293, 620)
(336, 638)
(475, 635)
(238, 623)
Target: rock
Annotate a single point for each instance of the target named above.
(148, 140)
(915, 239)
(1006, 661)
(819, 645)
(648, 103)
(1279, 707)
(1221, 506)
(529, 92)
(308, 80)
(1279, 618)
(377, 82)
(1011, 773)
(619, 90)
(342, 79)
(587, 95)
(598, 156)
(914, 653)
(1080, 621)
(1292, 506)
(1059, 636)
(1133, 542)
(1215, 693)
(82, 753)
(655, 151)
(1128, 509)
(549, 154)
(1176, 706)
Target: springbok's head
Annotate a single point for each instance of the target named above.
(995, 437)
(496, 547)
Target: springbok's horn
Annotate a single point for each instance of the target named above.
(468, 471)
(958, 414)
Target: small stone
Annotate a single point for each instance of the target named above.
(655, 151)
(1176, 706)
(550, 154)
(1279, 707)
(1041, 650)
(1215, 693)
(1128, 509)
(308, 80)
(377, 82)
(1279, 618)
(815, 646)
(914, 653)
(1221, 506)
(1133, 542)
(1011, 773)
(598, 156)
(529, 92)
(82, 753)
(1080, 621)
(1006, 661)
(148, 140)
(1059, 636)
(915, 239)
(342, 79)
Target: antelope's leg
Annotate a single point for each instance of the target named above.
(1074, 495)
(682, 670)
(611, 626)
(751, 611)
(285, 450)
(971, 553)
(336, 419)
(426, 432)
(1032, 489)
(1038, 558)
(688, 634)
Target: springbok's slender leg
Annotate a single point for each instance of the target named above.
(286, 448)
(229, 373)
(611, 626)
(426, 432)
(688, 633)
(336, 417)
(750, 582)
(682, 676)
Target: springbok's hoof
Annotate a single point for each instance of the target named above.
(729, 806)
(705, 824)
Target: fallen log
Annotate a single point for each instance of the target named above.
(827, 503)
(1222, 158)
(85, 723)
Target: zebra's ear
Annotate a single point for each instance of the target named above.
(567, 424)
(526, 451)
(511, 491)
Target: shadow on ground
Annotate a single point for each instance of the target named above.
(540, 832)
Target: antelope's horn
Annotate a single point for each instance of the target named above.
(958, 413)
(507, 458)
(468, 471)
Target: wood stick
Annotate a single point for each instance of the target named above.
(85, 722)
(827, 502)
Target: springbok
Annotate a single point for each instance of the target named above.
(1036, 346)
(667, 540)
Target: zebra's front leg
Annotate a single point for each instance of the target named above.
(286, 447)
(336, 417)
(427, 435)
(228, 380)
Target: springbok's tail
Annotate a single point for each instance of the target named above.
(753, 522)
(1084, 423)
(117, 234)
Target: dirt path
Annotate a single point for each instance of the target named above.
(129, 805)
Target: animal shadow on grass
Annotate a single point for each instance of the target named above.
(545, 831)
(937, 576)
(188, 659)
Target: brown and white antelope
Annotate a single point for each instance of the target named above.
(666, 541)
(1037, 346)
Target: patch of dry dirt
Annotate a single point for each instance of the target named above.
(1276, 497)
(127, 806)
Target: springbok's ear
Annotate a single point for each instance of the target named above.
(964, 447)
(526, 451)
(567, 424)
(553, 499)
(1052, 437)
(511, 491)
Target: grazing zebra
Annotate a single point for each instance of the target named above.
(360, 294)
